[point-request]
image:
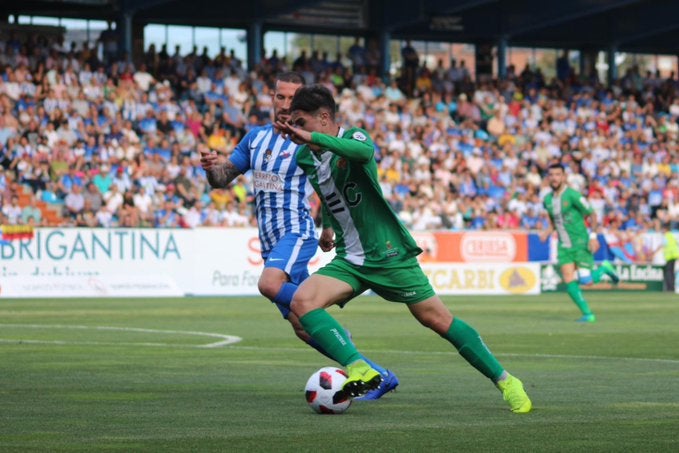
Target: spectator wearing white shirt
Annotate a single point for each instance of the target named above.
(143, 79)
(113, 199)
(12, 211)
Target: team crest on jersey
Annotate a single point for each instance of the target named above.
(267, 155)
(565, 204)
(360, 136)
(342, 163)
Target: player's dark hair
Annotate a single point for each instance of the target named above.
(558, 165)
(312, 98)
(290, 77)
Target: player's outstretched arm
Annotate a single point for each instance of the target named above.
(358, 149)
(219, 175)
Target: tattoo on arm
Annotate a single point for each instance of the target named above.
(220, 176)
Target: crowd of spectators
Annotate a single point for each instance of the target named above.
(111, 143)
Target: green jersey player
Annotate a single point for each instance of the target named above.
(373, 250)
(568, 209)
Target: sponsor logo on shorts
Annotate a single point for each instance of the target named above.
(408, 293)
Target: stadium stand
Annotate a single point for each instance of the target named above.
(84, 143)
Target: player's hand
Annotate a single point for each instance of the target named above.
(294, 133)
(544, 235)
(594, 245)
(208, 159)
(327, 239)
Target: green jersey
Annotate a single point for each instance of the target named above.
(344, 174)
(568, 210)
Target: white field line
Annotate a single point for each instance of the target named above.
(224, 340)
(231, 340)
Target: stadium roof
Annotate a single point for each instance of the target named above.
(648, 26)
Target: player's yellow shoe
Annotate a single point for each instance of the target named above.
(362, 378)
(513, 392)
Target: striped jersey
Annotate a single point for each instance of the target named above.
(280, 187)
(568, 210)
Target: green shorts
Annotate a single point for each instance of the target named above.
(581, 257)
(404, 283)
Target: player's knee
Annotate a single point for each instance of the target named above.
(302, 303)
(434, 322)
(269, 288)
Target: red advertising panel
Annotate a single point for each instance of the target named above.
(473, 247)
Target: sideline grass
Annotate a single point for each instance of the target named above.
(609, 386)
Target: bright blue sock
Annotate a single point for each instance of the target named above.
(282, 301)
(284, 296)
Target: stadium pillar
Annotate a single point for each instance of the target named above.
(255, 40)
(385, 52)
(612, 67)
(502, 45)
(125, 33)
(587, 63)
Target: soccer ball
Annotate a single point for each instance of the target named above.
(323, 388)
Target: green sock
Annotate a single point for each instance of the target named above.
(597, 273)
(574, 291)
(330, 335)
(470, 346)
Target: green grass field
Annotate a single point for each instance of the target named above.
(135, 375)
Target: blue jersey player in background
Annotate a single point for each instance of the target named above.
(286, 228)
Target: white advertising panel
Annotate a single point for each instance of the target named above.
(73, 262)
(67, 262)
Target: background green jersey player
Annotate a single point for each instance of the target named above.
(374, 250)
(568, 209)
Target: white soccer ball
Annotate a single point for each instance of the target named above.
(323, 391)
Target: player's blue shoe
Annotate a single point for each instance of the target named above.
(610, 271)
(389, 383)
(587, 318)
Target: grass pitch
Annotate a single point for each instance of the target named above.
(150, 375)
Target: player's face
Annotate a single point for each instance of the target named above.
(307, 121)
(556, 178)
(282, 98)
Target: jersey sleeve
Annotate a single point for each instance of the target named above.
(582, 203)
(240, 157)
(356, 147)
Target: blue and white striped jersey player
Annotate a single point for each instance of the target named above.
(286, 228)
